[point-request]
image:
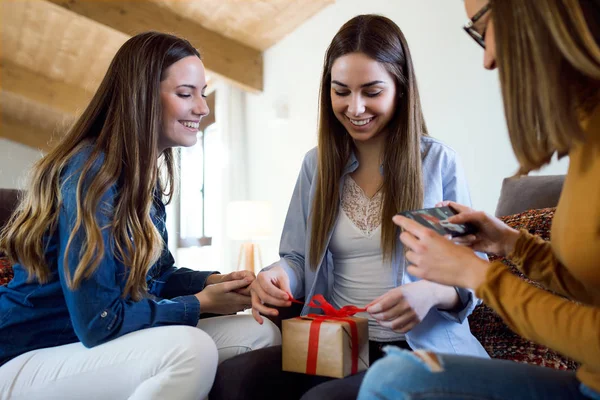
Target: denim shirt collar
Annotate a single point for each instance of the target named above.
(353, 164)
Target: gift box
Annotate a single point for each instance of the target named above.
(324, 345)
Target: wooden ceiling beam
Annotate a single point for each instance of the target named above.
(32, 124)
(232, 60)
(38, 88)
(18, 132)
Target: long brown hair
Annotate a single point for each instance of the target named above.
(380, 39)
(120, 127)
(549, 63)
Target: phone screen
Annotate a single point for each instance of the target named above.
(437, 219)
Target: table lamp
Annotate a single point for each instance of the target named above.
(248, 221)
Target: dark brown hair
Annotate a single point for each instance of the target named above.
(380, 39)
(121, 127)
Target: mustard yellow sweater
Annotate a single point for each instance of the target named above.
(568, 265)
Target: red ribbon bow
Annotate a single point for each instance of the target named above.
(331, 313)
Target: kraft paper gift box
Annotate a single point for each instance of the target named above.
(321, 345)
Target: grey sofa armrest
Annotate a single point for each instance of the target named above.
(529, 192)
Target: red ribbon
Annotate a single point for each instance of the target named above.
(331, 313)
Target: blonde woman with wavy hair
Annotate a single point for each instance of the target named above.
(96, 308)
(548, 56)
(373, 159)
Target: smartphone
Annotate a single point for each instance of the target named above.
(437, 219)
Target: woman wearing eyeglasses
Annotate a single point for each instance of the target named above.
(548, 56)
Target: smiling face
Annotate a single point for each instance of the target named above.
(183, 103)
(363, 95)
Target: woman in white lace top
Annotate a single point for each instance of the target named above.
(374, 158)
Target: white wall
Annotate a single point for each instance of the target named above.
(461, 100)
(15, 162)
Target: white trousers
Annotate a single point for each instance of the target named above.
(171, 362)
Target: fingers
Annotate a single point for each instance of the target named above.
(231, 286)
(411, 242)
(255, 313)
(413, 227)
(236, 298)
(243, 274)
(389, 308)
(237, 275)
(257, 316)
(263, 287)
(259, 308)
(473, 217)
(402, 323)
(214, 279)
(416, 272)
(375, 301)
(467, 241)
(459, 208)
(408, 326)
(284, 283)
(413, 258)
(244, 291)
(276, 288)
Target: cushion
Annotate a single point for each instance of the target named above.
(6, 271)
(529, 192)
(498, 340)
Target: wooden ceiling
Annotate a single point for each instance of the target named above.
(54, 53)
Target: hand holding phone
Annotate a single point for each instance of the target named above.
(437, 219)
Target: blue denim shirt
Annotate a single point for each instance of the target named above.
(441, 331)
(34, 315)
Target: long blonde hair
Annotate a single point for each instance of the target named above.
(549, 63)
(380, 39)
(120, 128)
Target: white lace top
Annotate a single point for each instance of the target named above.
(360, 273)
(364, 212)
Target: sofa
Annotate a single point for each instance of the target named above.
(525, 203)
(8, 201)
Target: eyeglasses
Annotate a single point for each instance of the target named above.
(470, 26)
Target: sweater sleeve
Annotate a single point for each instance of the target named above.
(534, 257)
(558, 323)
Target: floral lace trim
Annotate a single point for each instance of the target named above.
(363, 211)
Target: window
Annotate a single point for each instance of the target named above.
(199, 186)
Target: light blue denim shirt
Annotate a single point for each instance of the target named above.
(443, 179)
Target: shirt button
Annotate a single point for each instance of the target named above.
(104, 314)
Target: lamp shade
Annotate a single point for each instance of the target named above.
(247, 220)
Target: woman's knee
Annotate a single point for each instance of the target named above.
(390, 376)
(193, 341)
(268, 335)
(189, 349)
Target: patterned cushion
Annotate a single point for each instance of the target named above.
(498, 340)
(6, 271)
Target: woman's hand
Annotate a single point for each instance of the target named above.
(404, 307)
(492, 236)
(270, 287)
(233, 276)
(222, 298)
(437, 259)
